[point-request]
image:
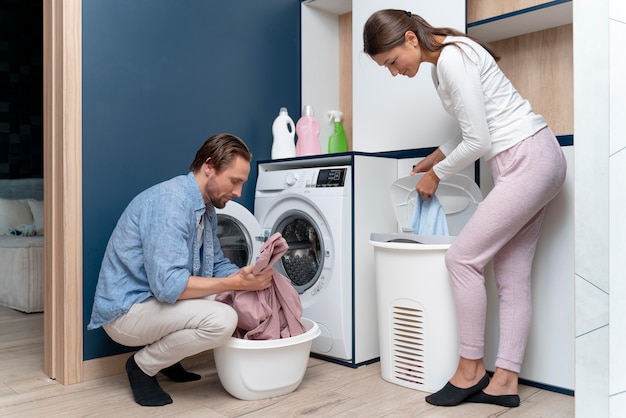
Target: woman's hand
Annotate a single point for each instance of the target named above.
(428, 162)
(428, 184)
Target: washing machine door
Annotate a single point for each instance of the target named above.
(239, 233)
(302, 225)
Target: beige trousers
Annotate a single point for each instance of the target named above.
(171, 332)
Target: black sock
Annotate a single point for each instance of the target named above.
(146, 389)
(177, 373)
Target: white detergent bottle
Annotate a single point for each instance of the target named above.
(283, 130)
(308, 129)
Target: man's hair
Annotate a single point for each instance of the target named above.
(221, 149)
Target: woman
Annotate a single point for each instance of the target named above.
(528, 170)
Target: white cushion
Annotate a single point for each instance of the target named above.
(36, 207)
(14, 213)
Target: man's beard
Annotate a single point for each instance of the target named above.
(219, 203)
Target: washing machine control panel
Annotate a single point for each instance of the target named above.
(291, 179)
(331, 177)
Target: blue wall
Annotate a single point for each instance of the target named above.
(159, 78)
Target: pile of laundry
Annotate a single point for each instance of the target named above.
(272, 313)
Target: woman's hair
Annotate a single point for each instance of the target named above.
(222, 150)
(385, 30)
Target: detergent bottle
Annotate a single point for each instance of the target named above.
(337, 141)
(283, 130)
(308, 130)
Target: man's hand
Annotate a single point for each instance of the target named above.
(244, 279)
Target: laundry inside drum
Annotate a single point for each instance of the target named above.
(303, 260)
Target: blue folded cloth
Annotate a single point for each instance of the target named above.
(429, 218)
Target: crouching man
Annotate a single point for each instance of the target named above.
(162, 261)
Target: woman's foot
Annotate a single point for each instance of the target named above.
(470, 378)
(509, 401)
(452, 395)
(502, 390)
(503, 382)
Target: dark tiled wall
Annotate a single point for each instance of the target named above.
(21, 89)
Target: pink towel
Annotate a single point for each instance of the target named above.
(271, 313)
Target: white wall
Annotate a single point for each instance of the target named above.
(617, 208)
(395, 113)
(599, 108)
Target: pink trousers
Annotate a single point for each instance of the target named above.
(505, 228)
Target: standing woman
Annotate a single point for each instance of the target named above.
(528, 170)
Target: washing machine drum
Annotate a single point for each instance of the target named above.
(239, 233)
(304, 260)
(459, 196)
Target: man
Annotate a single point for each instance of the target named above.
(162, 261)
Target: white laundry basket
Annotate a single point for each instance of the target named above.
(416, 315)
(419, 345)
(260, 369)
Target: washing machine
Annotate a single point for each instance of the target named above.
(325, 207)
(311, 207)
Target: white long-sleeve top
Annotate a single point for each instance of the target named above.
(492, 115)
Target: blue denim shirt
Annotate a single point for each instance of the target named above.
(155, 247)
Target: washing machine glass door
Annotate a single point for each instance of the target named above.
(239, 233)
(304, 260)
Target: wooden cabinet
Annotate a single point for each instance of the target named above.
(492, 20)
(534, 41)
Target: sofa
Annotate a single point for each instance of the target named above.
(21, 244)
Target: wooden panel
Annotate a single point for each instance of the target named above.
(105, 366)
(63, 336)
(540, 65)
(522, 23)
(345, 73)
(484, 9)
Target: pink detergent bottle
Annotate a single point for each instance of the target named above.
(308, 130)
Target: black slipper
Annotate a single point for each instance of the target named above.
(451, 395)
(510, 401)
